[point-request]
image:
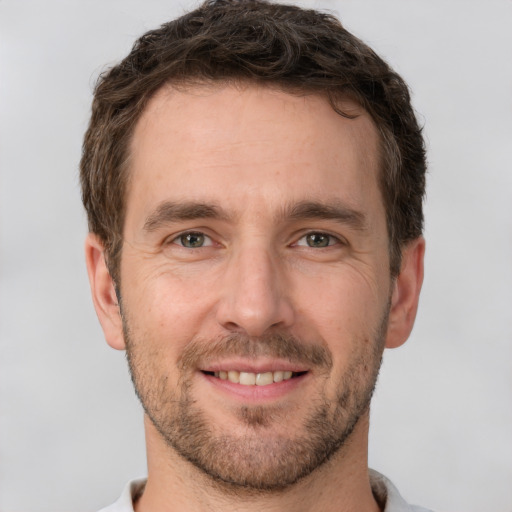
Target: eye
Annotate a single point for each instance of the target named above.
(193, 240)
(318, 240)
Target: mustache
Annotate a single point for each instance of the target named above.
(275, 345)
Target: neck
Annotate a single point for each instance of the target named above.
(342, 483)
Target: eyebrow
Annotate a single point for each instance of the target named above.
(169, 211)
(337, 211)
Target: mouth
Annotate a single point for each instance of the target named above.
(254, 379)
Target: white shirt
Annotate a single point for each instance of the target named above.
(384, 491)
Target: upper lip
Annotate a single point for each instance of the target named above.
(259, 365)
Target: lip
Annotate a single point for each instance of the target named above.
(259, 365)
(255, 394)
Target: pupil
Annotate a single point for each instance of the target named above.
(318, 240)
(193, 240)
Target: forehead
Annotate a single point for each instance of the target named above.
(251, 142)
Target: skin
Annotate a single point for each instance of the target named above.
(256, 153)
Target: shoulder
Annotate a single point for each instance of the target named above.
(125, 501)
(388, 497)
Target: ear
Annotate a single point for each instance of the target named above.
(103, 292)
(406, 293)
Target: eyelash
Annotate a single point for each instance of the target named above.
(331, 240)
(177, 239)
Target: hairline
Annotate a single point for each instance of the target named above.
(386, 144)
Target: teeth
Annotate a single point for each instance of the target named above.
(253, 379)
(278, 376)
(247, 379)
(263, 379)
(234, 376)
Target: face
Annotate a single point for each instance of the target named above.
(255, 278)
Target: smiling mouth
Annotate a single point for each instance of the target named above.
(254, 379)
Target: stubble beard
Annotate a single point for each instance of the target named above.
(257, 460)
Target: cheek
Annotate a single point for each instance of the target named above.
(163, 306)
(340, 297)
(345, 310)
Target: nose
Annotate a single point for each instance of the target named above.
(254, 296)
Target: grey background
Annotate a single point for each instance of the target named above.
(70, 427)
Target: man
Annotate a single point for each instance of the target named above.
(253, 176)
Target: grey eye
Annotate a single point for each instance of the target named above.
(318, 240)
(192, 240)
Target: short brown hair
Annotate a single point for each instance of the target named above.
(299, 50)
